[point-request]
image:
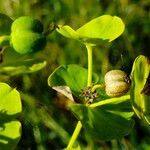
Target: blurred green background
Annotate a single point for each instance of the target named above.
(47, 124)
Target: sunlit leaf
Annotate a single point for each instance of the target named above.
(9, 97)
(105, 27)
(10, 107)
(140, 91)
(9, 135)
(67, 31)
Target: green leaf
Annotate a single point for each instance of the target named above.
(9, 97)
(22, 67)
(10, 107)
(105, 122)
(70, 79)
(140, 92)
(105, 27)
(5, 24)
(9, 135)
(68, 32)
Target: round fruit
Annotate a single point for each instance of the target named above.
(117, 83)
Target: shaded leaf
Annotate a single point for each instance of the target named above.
(105, 122)
(22, 67)
(72, 76)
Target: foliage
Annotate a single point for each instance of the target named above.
(140, 87)
(104, 27)
(73, 78)
(10, 107)
(10, 104)
(119, 54)
(26, 35)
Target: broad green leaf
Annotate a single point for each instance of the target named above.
(105, 27)
(22, 67)
(70, 79)
(10, 107)
(140, 92)
(105, 122)
(9, 97)
(5, 24)
(9, 135)
(67, 31)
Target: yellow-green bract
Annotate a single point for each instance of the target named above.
(26, 35)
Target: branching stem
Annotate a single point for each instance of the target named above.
(111, 100)
(97, 86)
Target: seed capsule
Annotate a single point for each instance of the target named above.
(117, 83)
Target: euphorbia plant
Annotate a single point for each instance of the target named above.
(104, 119)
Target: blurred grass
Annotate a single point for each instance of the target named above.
(50, 129)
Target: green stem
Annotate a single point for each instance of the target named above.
(89, 82)
(97, 86)
(111, 100)
(89, 51)
(50, 29)
(74, 135)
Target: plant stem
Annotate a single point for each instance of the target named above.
(111, 100)
(50, 29)
(97, 86)
(89, 51)
(74, 135)
(89, 82)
